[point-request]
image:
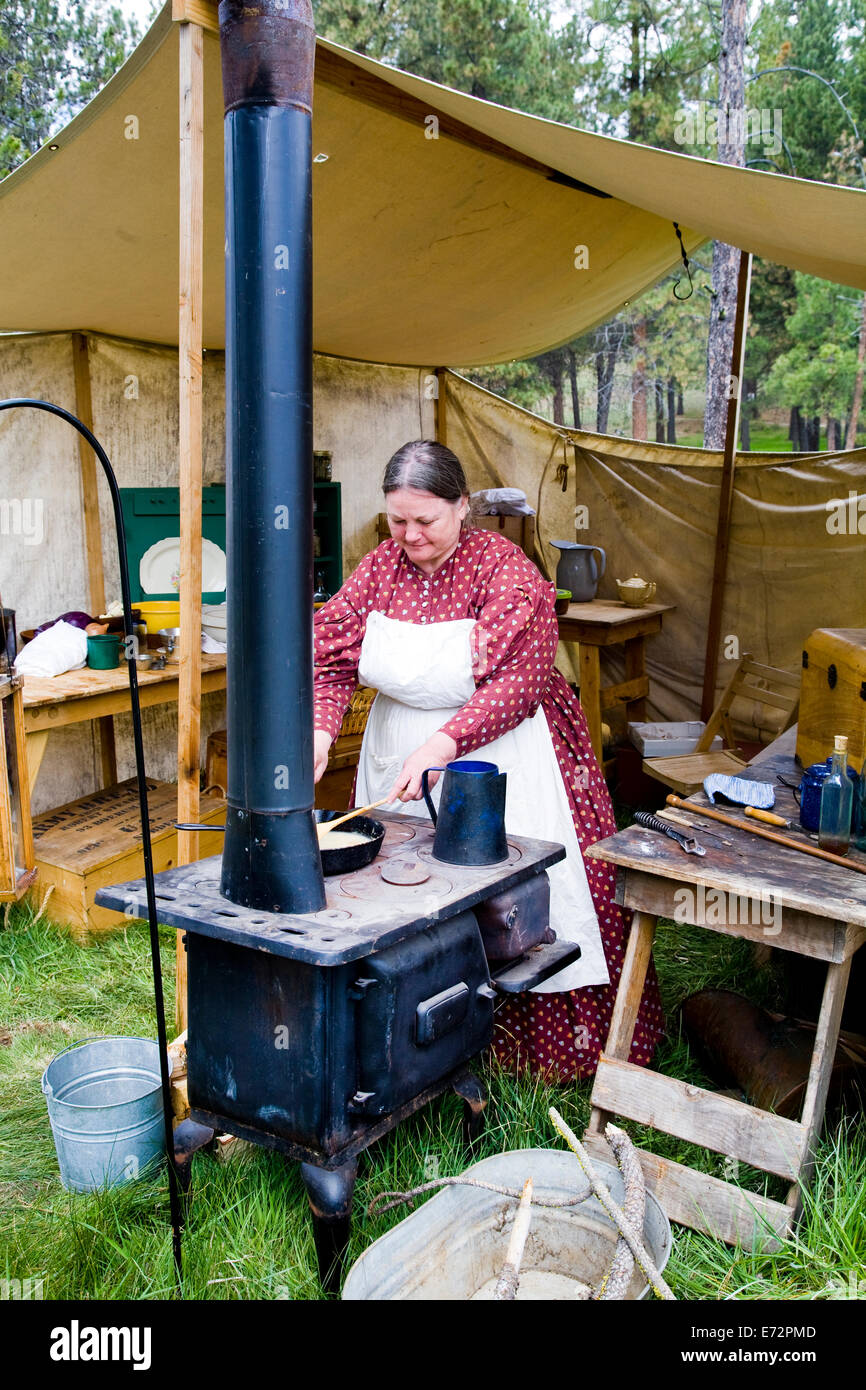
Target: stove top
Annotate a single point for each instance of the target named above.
(363, 913)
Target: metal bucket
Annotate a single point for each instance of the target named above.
(453, 1248)
(105, 1105)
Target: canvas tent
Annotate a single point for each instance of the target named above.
(457, 249)
(451, 250)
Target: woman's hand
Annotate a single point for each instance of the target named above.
(438, 749)
(321, 746)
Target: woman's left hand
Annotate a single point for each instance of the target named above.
(438, 749)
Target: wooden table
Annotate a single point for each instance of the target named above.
(818, 910)
(608, 623)
(52, 702)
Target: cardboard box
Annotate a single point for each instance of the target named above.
(670, 740)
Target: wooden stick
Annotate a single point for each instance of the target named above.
(726, 489)
(622, 1223)
(506, 1285)
(325, 827)
(777, 839)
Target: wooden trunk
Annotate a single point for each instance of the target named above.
(833, 695)
(97, 841)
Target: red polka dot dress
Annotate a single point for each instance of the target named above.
(489, 579)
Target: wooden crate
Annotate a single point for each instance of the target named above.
(96, 841)
(833, 695)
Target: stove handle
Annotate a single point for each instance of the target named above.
(436, 1016)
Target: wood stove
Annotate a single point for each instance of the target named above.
(317, 1033)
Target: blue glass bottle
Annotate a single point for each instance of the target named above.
(859, 826)
(837, 798)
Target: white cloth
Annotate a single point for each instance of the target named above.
(61, 647)
(423, 675)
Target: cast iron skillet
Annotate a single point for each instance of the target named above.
(351, 857)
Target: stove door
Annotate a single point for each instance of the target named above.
(424, 1007)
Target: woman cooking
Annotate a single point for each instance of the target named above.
(455, 630)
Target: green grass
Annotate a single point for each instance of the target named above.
(248, 1235)
(763, 438)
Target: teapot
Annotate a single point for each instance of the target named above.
(470, 825)
(635, 592)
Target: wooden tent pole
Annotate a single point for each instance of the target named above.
(191, 71)
(89, 492)
(726, 489)
(440, 406)
(92, 531)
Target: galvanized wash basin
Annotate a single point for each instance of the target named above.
(453, 1247)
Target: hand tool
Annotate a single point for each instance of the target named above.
(771, 818)
(651, 822)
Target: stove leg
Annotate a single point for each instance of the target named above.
(330, 1196)
(475, 1096)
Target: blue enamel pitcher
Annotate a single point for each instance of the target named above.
(470, 825)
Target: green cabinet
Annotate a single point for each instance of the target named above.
(152, 514)
(327, 535)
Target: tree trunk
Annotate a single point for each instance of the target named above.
(558, 408)
(605, 362)
(793, 431)
(745, 432)
(639, 383)
(660, 410)
(726, 259)
(857, 401)
(681, 410)
(672, 411)
(575, 400)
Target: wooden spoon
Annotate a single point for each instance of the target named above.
(325, 826)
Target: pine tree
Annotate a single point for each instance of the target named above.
(53, 59)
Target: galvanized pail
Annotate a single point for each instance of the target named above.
(105, 1106)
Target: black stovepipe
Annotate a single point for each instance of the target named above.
(129, 644)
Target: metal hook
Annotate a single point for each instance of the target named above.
(685, 261)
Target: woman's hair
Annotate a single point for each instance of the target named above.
(428, 467)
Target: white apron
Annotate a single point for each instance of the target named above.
(423, 675)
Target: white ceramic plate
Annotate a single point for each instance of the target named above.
(159, 570)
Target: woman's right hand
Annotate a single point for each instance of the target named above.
(321, 746)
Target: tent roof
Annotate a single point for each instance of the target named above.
(459, 249)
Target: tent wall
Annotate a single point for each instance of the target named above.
(653, 509)
(362, 414)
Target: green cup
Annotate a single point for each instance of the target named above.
(103, 651)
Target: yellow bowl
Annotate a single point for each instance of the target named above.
(160, 613)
